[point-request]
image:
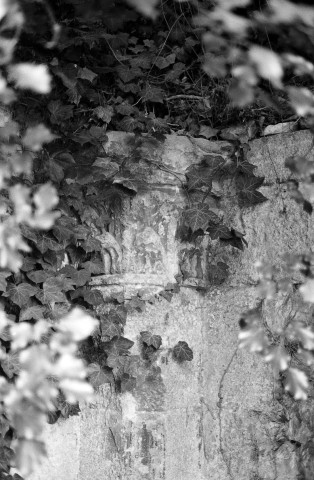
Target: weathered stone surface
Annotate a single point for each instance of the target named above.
(279, 128)
(218, 416)
(269, 154)
(63, 449)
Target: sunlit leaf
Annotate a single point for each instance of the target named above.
(278, 357)
(35, 137)
(146, 7)
(302, 100)
(304, 334)
(296, 382)
(76, 390)
(46, 197)
(307, 291)
(29, 455)
(31, 76)
(253, 338)
(78, 323)
(267, 63)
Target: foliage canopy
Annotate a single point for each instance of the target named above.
(76, 70)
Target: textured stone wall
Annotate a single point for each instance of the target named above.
(221, 416)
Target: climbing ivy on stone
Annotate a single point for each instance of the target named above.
(107, 68)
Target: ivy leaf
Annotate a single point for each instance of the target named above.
(164, 62)
(91, 244)
(28, 233)
(32, 313)
(45, 242)
(20, 294)
(62, 233)
(94, 267)
(153, 94)
(86, 74)
(236, 240)
(38, 276)
(135, 304)
(28, 264)
(98, 375)
(118, 345)
(81, 277)
(3, 282)
(247, 188)
(53, 417)
(104, 113)
(93, 297)
(59, 112)
(6, 456)
(118, 314)
(109, 329)
(78, 277)
(246, 168)
(81, 232)
(128, 74)
(117, 363)
(199, 216)
(296, 382)
(198, 177)
(52, 291)
(69, 409)
(98, 134)
(307, 207)
(151, 340)
(10, 364)
(219, 231)
(182, 352)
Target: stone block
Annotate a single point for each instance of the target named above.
(215, 417)
(269, 154)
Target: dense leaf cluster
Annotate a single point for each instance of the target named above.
(113, 69)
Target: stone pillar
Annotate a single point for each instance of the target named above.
(217, 417)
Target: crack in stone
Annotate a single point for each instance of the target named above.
(219, 405)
